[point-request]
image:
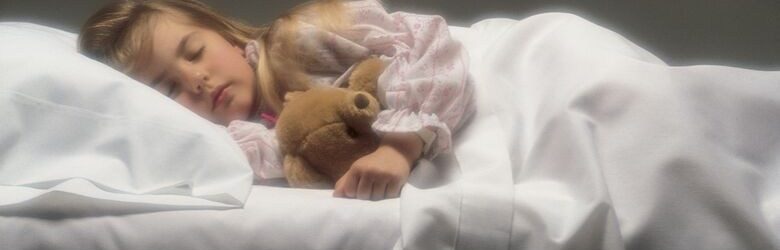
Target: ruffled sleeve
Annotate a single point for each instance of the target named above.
(425, 85)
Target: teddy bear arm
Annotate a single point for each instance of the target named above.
(300, 174)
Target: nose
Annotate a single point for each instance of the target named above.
(199, 81)
(362, 114)
(361, 101)
(201, 76)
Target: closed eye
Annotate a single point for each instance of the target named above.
(195, 56)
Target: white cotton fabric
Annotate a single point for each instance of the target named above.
(272, 218)
(73, 126)
(583, 140)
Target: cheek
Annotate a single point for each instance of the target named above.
(228, 59)
(187, 101)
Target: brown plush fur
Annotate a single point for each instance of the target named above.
(322, 131)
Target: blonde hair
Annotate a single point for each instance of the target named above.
(116, 33)
(119, 33)
(287, 62)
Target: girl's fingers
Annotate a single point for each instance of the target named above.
(338, 189)
(378, 191)
(346, 186)
(393, 190)
(364, 188)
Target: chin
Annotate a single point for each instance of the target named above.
(244, 116)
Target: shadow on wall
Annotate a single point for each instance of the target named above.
(727, 32)
(685, 32)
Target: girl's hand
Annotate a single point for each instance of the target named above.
(381, 174)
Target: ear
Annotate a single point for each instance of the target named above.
(300, 174)
(250, 52)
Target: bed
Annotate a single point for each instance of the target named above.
(581, 140)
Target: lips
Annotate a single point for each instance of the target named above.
(218, 95)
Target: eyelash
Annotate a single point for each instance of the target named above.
(197, 54)
(194, 57)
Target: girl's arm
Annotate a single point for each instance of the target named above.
(381, 174)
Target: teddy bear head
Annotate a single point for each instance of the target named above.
(322, 131)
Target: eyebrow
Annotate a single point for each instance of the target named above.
(179, 51)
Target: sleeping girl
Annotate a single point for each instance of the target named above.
(236, 75)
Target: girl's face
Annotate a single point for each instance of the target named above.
(199, 69)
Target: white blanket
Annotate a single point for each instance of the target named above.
(583, 140)
(272, 218)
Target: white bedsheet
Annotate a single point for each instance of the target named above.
(272, 218)
(582, 140)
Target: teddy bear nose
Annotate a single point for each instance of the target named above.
(361, 101)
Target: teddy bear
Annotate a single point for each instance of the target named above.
(323, 130)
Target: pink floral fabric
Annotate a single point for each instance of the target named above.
(260, 147)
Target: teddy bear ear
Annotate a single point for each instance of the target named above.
(291, 96)
(365, 75)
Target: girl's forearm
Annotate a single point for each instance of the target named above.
(407, 144)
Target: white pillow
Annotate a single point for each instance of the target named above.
(71, 125)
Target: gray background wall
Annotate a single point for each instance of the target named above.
(744, 33)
